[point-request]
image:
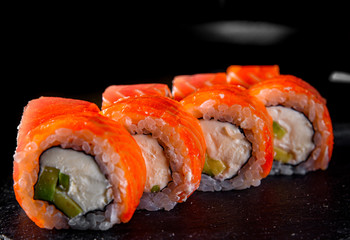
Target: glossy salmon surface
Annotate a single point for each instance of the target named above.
(251, 74)
(184, 85)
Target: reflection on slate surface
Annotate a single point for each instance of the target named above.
(243, 32)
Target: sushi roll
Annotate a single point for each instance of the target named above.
(172, 145)
(238, 136)
(184, 85)
(247, 76)
(303, 134)
(114, 92)
(75, 168)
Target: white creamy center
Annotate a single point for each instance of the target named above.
(299, 133)
(88, 187)
(157, 165)
(226, 143)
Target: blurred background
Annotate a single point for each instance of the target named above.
(77, 51)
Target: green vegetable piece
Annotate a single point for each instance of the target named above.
(155, 188)
(46, 185)
(52, 187)
(282, 155)
(206, 168)
(66, 204)
(278, 130)
(63, 181)
(213, 167)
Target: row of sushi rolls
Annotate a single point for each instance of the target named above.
(148, 147)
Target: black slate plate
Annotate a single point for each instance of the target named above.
(312, 206)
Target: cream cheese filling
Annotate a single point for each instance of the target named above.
(226, 143)
(297, 139)
(88, 186)
(157, 165)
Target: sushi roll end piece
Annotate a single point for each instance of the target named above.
(74, 168)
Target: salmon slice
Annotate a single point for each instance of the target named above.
(41, 110)
(184, 85)
(115, 92)
(249, 75)
(245, 76)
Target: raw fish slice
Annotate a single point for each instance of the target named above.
(115, 92)
(184, 85)
(249, 75)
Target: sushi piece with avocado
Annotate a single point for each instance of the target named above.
(74, 168)
(172, 144)
(303, 133)
(238, 137)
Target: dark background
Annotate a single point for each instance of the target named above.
(77, 51)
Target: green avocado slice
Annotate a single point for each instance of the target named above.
(278, 130)
(155, 189)
(66, 204)
(63, 181)
(46, 185)
(282, 155)
(52, 186)
(213, 167)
